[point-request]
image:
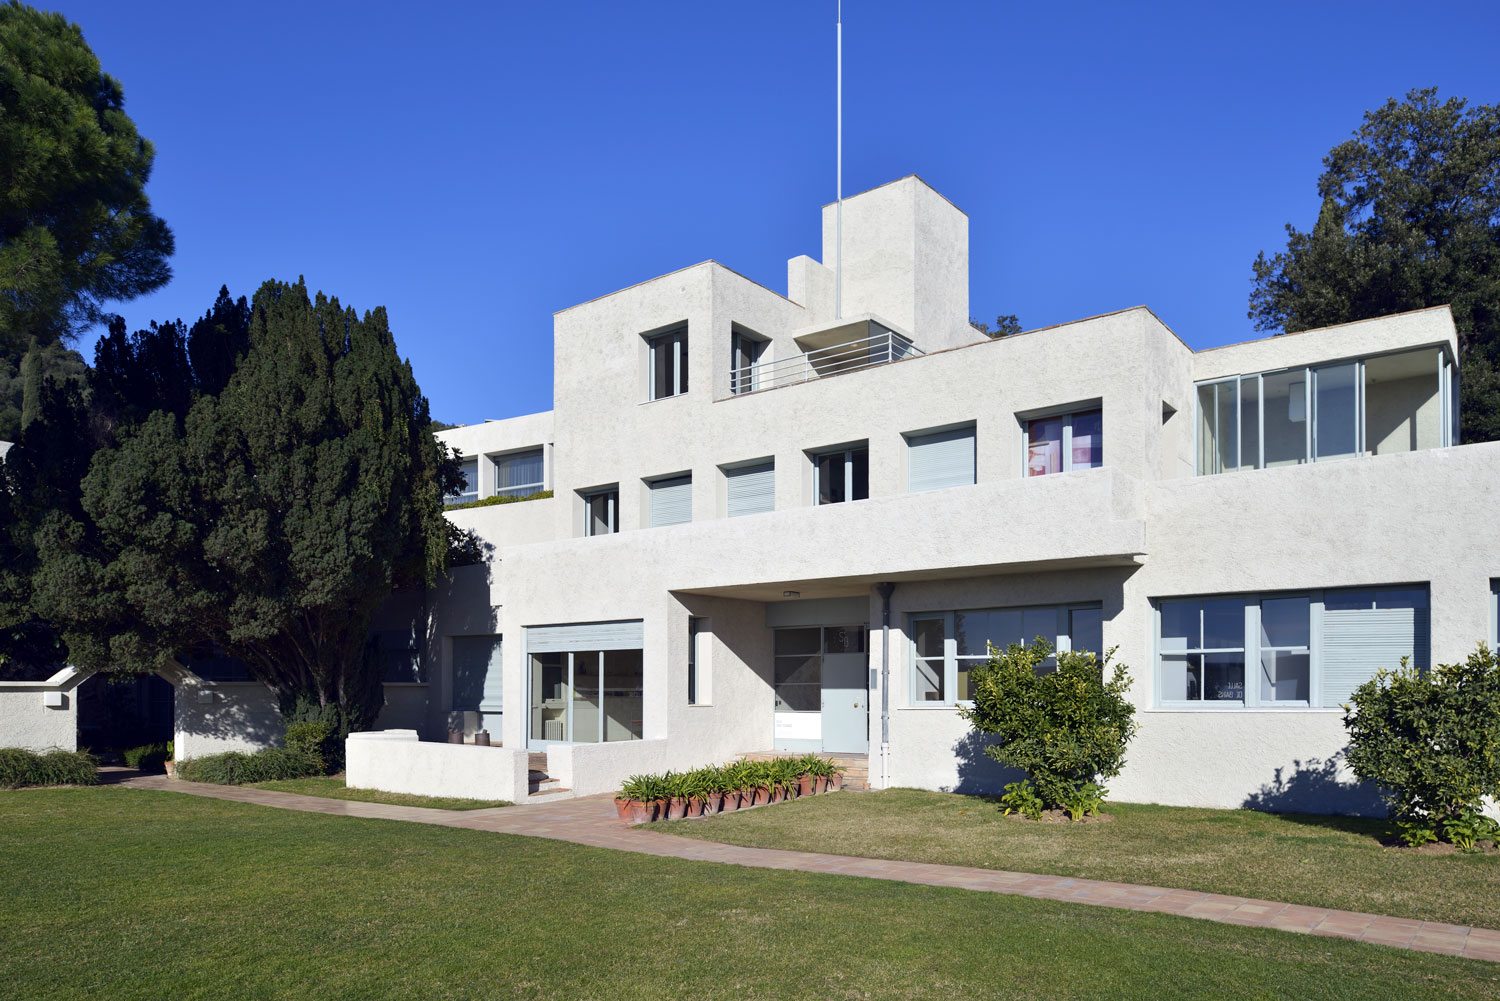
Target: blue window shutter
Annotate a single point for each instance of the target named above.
(752, 489)
(940, 459)
(671, 501)
(627, 635)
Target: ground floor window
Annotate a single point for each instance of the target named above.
(946, 646)
(1309, 649)
(587, 696)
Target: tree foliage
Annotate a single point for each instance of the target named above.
(1067, 729)
(1410, 218)
(266, 517)
(1431, 741)
(76, 228)
(1005, 325)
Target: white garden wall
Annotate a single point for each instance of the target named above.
(396, 761)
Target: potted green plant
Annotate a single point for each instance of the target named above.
(758, 783)
(783, 775)
(634, 804)
(807, 778)
(731, 782)
(674, 789)
(835, 776)
(711, 788)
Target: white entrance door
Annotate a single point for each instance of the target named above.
(846, 703)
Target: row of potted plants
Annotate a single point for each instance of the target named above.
(741, 785)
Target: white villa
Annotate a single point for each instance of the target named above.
(796, 521)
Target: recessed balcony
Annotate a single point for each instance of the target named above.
(848, 346)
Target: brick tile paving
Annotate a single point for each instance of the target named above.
(591, 821)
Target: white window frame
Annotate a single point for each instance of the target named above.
(613, 510)
(1252, 649)
(1066, 416)
(745, 379)
(518, 489)
(1447, 419)
(848, 453)
(471, 483)
(1062, 635)
(699, 673)
(667, 339)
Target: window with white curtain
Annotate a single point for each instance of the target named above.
(469, 468)
(939, 459)
(947, 646)
(1062, 443)
(519, 474)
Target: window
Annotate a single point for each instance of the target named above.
(669, 364)
(938, 459)
(1495, 615)
(798, 670)
(601, 511)
(751, 489)
(1064, 443)
(477, 678)
(947, 646)
(1309, 649)
(745, 353)
(699, 637)
(397, 655)
(519, 474)
(469, 469)
(671, 501)
(586, 682)
(841, 474)
(1397, 402)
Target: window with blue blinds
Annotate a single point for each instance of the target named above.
(752, 489)
(940, 459)
(671, 501)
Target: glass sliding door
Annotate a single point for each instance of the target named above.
(549, 683)
(587, 696)
(1218, 427)
(1285, 428)
(1336, 411)
(623, 687)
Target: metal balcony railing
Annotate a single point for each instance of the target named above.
(836, 359)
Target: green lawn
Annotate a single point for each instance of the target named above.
(1323, 861)
(124, 894)
(332, 787)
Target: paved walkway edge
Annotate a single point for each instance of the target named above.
(591, 821)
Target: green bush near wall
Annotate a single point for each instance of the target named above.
(148, 757)
(21, 768)
(492, 501)
(234, 768)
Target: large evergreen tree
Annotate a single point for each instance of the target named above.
(267, 520)
(1410, 218)
(76, 228)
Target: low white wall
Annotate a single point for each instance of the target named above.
(26, 721)
(586, 769)
(396, 761)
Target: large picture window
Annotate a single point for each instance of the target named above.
(947, 646)
(588, 695)
(1065, 442)
(1398, 402)
(1309, 649)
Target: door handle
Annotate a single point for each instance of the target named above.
(856, 705)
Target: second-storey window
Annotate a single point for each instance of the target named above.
(601, 512)
(518, 474)
(669, 364)
(1065, 442)
(671, 500)
(938, 459)
(470, 489)
(744, 355)
(841, 474)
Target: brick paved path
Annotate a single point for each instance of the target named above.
(591, 821)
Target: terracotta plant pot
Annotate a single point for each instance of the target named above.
(823, 782)
(836, 780)
(171, 768)
(731, 802)
(761, 796)
(806, 785)
(713, 803)
(676, 808)
(657, 811)
(695, 806)
(777, 794)
(622, 808)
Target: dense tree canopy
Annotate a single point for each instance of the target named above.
(262, 509)
(1410, 218)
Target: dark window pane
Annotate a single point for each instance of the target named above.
(844, 639)
(798, 641)
(1224, 623)
(1088, 440)
(929, 680)
(861, 487)
(1223, 677)
(929, 637)
(799, 670)
(1284, 621)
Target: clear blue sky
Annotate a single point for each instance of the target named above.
(475, 167)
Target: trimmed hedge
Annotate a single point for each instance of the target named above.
(233, 768)
(20, 768)
(501, 499)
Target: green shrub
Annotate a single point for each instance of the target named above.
(1066, 729)
(1021, 798)
(311, 738)
(492, 501)
(148, 757)
(234, 768)
(1431, 742)
(20, 768)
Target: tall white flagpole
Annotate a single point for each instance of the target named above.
(838, 212)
